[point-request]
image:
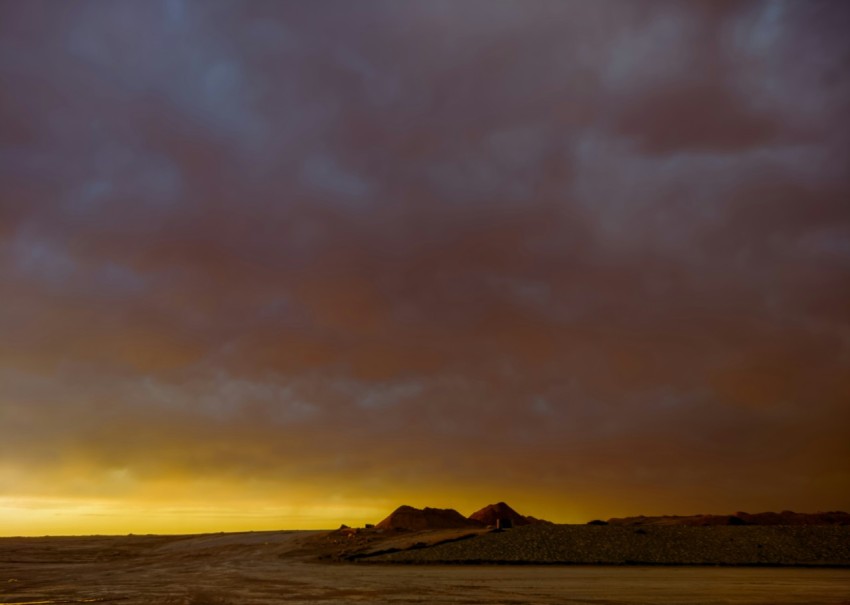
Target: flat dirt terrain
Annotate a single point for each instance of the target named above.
(262, 568)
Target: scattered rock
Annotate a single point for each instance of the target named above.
(818, 546)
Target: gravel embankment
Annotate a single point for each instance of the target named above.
(659, 545)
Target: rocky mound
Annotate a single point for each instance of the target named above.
(490, 515)
(410, 518)
(784, 518)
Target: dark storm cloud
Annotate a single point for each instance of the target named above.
(608, 239)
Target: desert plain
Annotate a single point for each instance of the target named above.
(365, 566)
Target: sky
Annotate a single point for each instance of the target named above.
(292, 264)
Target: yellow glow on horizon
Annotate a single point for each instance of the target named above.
(82, 499)
(61, 516)
(42, 516)
(185, 506)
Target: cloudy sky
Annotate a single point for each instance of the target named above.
(291, 264)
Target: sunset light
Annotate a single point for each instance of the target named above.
(279, 265)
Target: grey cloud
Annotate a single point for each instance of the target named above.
(565, 231)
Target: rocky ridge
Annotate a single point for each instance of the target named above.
(410, 518)
(416, 519)
(786, 517)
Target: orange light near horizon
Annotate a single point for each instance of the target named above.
(211, 508)
(61, 516)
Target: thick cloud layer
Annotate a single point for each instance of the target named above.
(595, 256)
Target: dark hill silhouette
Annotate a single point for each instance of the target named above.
(490, 515)
(408, 517)
(788, 517)
(784, 518)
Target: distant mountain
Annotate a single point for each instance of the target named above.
(408, 517)
(490, 515)
(786, 517)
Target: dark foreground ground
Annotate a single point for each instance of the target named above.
(262, 568)
(826, 545)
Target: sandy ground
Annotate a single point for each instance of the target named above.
(261, 568)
